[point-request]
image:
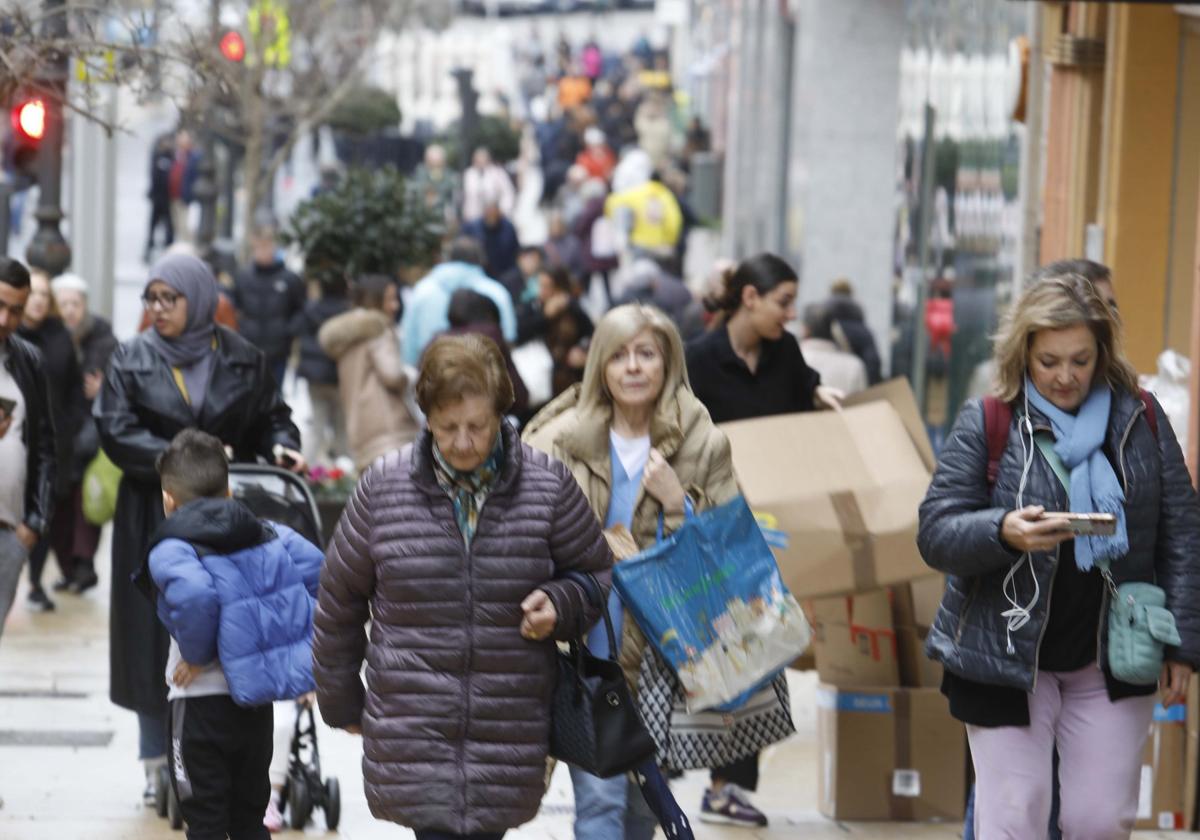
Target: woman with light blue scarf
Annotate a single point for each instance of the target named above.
(1033, 659)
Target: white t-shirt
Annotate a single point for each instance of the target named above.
(12, 452)
(633, 453)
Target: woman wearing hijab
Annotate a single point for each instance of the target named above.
(184, 372)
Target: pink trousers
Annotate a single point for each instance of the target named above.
(1100, 745)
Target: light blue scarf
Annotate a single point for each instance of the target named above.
(1095, 487)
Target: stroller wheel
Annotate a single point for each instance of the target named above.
(299, 802)
(174, 814)
(162, 785)
(333, 803)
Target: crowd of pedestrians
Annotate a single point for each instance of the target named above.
(498, 418)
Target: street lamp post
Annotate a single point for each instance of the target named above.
(205, 188)
(49, 251)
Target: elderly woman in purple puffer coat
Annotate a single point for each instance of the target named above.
(455, 548)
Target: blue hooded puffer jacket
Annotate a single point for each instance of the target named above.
(233, 587)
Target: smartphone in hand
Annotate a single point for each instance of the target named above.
(1086, 524)
(7, 407)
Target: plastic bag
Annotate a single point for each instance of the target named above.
(711, 601)
(1170, 386)
(101, 481)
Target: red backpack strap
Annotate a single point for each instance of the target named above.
(997, 417)
(1151, 416)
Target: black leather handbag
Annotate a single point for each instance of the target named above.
(593, 722)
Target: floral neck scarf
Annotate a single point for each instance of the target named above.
(469, 490)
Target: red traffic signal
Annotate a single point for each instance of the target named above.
(29, 119)
(233, 47)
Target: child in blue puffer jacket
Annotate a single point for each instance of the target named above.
(237, 596)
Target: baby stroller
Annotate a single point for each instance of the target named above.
(304, 790)
(283, 497)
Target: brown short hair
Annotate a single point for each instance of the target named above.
(194, 466)
(458, 366)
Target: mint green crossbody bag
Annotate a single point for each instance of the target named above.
(1139, 624)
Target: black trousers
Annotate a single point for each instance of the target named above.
(220, 753)
(743, 773)
(160, 215)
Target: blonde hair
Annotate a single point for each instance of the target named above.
(616, 329)
(1054, 303)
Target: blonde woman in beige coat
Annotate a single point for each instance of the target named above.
(639, 443)
(371, 376)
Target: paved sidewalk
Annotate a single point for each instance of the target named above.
(54, 690)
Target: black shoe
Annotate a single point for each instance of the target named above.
(61, 585)
(38, 601)
(83, 582)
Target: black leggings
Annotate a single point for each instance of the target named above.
(743, 773)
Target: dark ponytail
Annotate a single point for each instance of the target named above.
(764, 272)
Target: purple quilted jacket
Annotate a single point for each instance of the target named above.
(455, 710)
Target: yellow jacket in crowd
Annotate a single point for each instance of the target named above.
(657, 219)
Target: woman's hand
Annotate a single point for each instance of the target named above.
(1174, 683)
(92, 383)
(829, 396)
(663, 484)
(540, 616)
(290, 459)
(1025, 530)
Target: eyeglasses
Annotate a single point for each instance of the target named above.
(165, 301)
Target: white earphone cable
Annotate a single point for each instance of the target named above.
(1017, 615)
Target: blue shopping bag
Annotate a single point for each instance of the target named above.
(711, 601)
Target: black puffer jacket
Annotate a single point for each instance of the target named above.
(269, 298)
(960, 535)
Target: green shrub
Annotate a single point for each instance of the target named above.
(369, 224)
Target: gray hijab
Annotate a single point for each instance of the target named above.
(192, 351)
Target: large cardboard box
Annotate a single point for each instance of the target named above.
(889, 754)
(914, 606)
(854, 642)
(1162, 797)
(837, 492)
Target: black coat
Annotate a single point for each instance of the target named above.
(139, 410)
(67, 400)
(24, 364)
(959, 534)
(269, 300)
(94, 351)
(783, 383)
(315, 364)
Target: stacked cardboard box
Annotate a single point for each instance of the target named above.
(889, 749)
(842, 516)
(1167, 798)
(914, 606)
(854, 640)
(889, 754)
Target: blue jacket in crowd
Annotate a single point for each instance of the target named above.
(242, 590)
(425, 312)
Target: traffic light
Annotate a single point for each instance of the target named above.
(233, 47)
(29, 127)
